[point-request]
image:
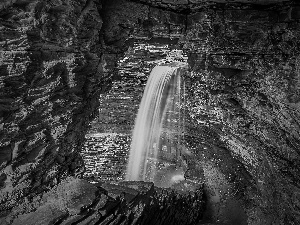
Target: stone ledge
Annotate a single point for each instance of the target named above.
(75, 201)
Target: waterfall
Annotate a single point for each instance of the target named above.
(159, 116)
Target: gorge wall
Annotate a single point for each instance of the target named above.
(51, 76)
(243, 91)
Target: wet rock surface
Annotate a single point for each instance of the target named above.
(50, 81)
(242, 103)
(105, 156)
(245, 101)
(75, 201)
(190, 6)
(242, 106)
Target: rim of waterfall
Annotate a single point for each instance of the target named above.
(156, 142)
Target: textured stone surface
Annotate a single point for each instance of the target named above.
(189, 6)
(56, 58)
(105, 156)
(76, 201)
(242, 105)
(51, 76)
(244, 96)
(54, 64)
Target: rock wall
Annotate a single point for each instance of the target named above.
(243, 99)
(191, 6)
(51, 76)
(243, 104)
(56, 58)
(75, 201)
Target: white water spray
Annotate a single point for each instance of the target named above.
(161, 100)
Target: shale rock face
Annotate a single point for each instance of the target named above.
(242, 102)
(76, 201)
(242, 107)
(51, 75)
(190, 6)
(244, 97)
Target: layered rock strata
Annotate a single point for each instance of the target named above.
(75, 201)
(244, 95)
(51, 77)
(243, 104)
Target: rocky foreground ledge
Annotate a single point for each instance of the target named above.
(76, 201)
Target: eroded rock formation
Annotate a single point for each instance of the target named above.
(243, 104)
(75, 201)
(51, 76)
(245, 99)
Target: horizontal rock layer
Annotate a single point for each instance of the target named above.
(51, 77)
(244, 95)
(243, 104)
(189, 6)
(76, 201)
(242, 99)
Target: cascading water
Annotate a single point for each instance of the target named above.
(159, 117)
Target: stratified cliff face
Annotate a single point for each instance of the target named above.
(56, 58)
(242, 105)
(243, 125)
(51, 77)
(244, 98)
(191, 6)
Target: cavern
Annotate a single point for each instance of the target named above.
(150, 112)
